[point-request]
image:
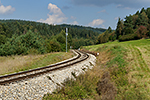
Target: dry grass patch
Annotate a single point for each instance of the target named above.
(14, 63)
(104, 58)
(106, 88)
(145, 55)
(11, 64)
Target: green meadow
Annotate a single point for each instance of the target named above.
(122, 72)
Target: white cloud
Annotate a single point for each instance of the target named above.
(6, 10)
(102, 11)
(127, 8)
(72, 17)
(96, 22)
(121, 6)
(54, 9)
(56, 16)
(75, 23)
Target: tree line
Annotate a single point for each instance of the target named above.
(134, 27)
(24, 37)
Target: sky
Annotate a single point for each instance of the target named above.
(93, 13)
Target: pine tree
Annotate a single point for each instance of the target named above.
(109, 29)
(142, 10)
(137, 13)
(119, 28)
(148, 14)
(128, 22)
(143, 19)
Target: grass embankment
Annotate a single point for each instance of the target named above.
(11, 64)
(122, 73)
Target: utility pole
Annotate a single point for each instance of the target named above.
(66, 38)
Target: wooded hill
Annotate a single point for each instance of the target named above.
(23, 37)
(98, 30)
(134, 27)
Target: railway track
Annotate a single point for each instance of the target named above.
(6, 79)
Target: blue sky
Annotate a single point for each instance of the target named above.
(94, 13)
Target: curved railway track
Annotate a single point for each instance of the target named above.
(81, 56)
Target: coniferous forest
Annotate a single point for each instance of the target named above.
(133, 27)
(25, 37)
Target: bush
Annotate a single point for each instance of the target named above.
(3, 39)
(128, 31)
(142, 32)
(128, 37)
(55, 46)
(23, 44)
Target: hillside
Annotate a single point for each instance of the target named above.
(132, 27)
(128, 65)
(21, 26)
(135, 26)
(98, 30)
(121, 73)
(23, 37)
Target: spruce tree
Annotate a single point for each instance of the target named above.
(119, 28)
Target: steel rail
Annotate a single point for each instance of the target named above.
(46, 69)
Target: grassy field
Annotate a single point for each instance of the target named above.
(135, 59)
(11, 64)
(122, 73)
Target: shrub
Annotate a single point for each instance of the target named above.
(142, 32)
(128, 37)
(23, 44)
(3, 39)
(55, 46)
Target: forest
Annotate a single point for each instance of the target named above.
(25, 37)
(133, 27)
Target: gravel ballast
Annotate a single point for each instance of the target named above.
(35, 88)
